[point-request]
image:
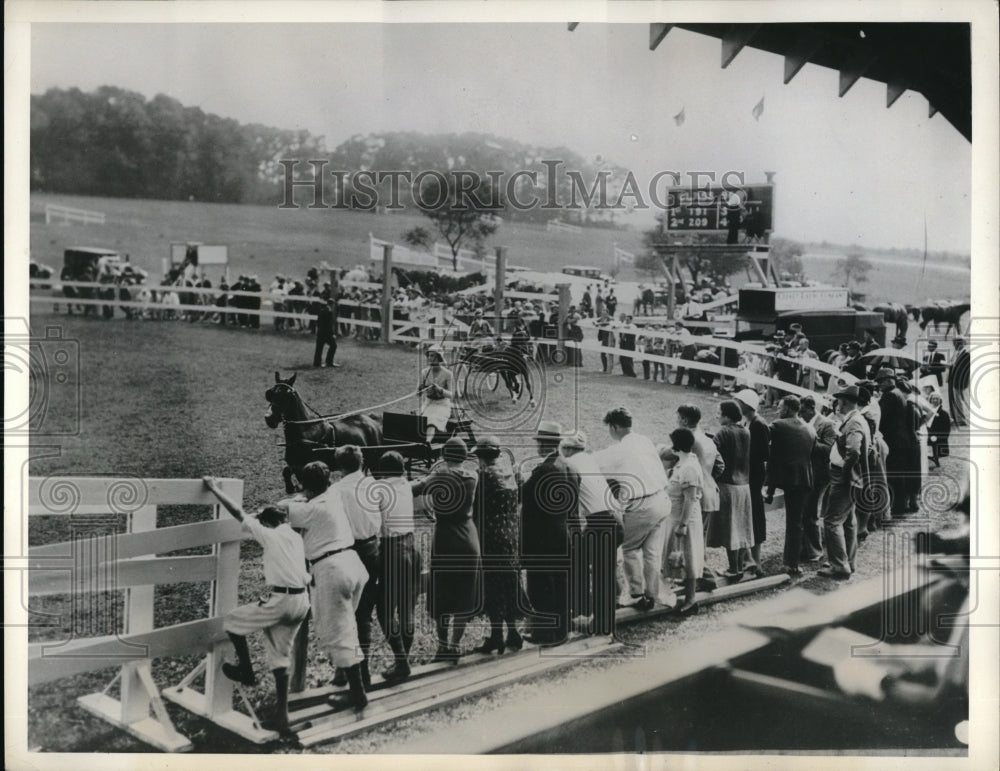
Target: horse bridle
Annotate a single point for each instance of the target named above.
(273, 391)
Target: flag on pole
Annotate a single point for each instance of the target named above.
(679, 117)
(758, 109)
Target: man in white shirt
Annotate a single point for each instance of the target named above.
(633, 463)
(600, 521)
(361, 507)
(280, 612)
(338, 575)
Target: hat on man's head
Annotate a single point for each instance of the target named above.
(850, 394)
(487, 447)
(549, 429)
(455, 449)
(779, 333)
(749, 397)
(932, 343)
(883, 373)
(575, 441)
(854, 344)
(795, 327)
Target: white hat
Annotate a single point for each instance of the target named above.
(749, 397)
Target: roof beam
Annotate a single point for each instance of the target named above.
(656, 34)
(852, 70)
(803, 50)
(894, 88)
(734, 39)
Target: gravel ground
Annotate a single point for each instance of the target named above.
(181, 400)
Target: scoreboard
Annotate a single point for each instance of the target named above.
(715, 209)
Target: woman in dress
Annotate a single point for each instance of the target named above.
(497, 514)
(436, 390)
(454, 592)
(684, 488)
(733, 528)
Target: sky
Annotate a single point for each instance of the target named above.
(848, 170)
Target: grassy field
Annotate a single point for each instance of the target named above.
(266, 240)
(173, 399)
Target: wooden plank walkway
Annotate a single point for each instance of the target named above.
(316, 720)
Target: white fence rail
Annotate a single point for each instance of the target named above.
(67, 215)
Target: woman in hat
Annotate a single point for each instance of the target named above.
(436, 388)
(453, 595)
(733, 527)
(497, 516)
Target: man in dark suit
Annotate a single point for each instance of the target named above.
(790, 468)
(958, 383)
(933, 363)
(900, 438)
(550, 502)
(326, 318)
(938, 429)
(826, 434)
(760, 442)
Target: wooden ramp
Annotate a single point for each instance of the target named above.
(434, 686)
(315, 720)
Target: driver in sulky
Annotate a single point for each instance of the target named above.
(436, 391)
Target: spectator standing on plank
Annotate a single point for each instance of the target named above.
(278, 613)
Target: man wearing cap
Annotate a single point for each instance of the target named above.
(855, 365)
(549, 511)
(279, 613)
(815, 416)
(933, 363)
(900, 437)
(634, 464)
(338, 575)
(848, 461)
(603, 532)
(760, 442)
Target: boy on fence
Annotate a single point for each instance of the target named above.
(280, 612)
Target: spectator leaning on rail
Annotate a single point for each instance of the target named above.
(634, 464)
(279, 612)
(550, 511)
(338, 575)
(603, 533)
(362, 510)
(399, 586)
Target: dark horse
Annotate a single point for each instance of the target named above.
(307, 440)
(950, 314)
(895, 313)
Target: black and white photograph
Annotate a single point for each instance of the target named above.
(583, 384)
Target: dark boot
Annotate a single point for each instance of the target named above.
(279, 719)
(242, 672)
(401, 669)
(340, 677)
(366, 677)
(356, 697)
(514, 640)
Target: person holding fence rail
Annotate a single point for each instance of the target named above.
(338, 575)
(279, 612)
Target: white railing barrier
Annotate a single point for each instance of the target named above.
(67, 214)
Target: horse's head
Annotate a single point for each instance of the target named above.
(282, 400)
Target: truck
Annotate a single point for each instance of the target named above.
(823, 311)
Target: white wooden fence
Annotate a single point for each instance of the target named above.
(98, 561)
(67, 214)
